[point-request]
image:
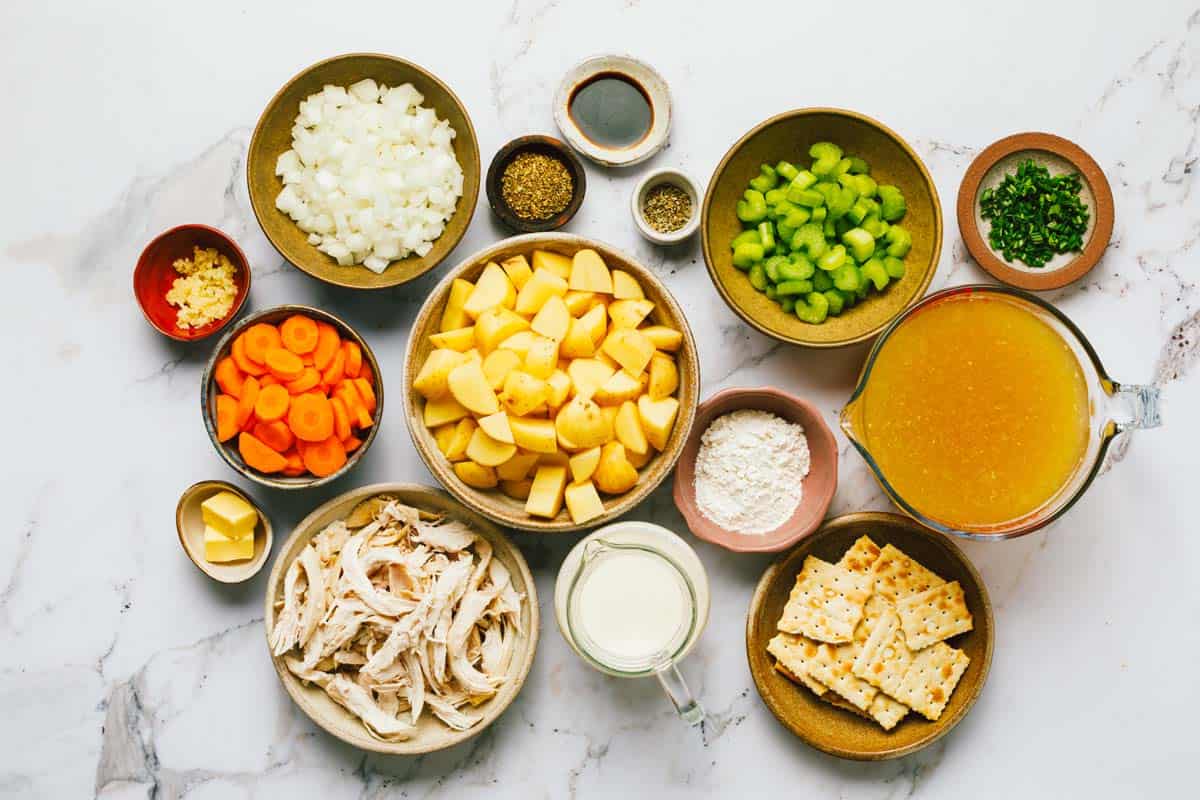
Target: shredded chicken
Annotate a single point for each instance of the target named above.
(393, 611)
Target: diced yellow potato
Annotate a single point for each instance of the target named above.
(625, 286)
(580, 425)
(607, 360)
(658, 418)
(517, 489)
(470, 387)
(628, 428)
(463, 431)
(560, 387)
(517, 269)
(496, 426)
(587, 375)
(519, 343)
(629, 313)
(583, 464)
(610, 414)
(578, 302)
(453, 315)
(629, 348)
(619, 388)
(589, 273)
(542, 358)
(473, 355)
(583, 503)
(556, 459)
(495, 326)
(443, 410)
(476, 475)
(664, 377)
(497, 366)
(534, 435)
(553, 319)
(540, 287)
(459, 339)
(493, 288)
(443, 435)
(578, 343)
(595, 323)
(662, 337)
(640, 460)
(523, 393)
(489, 452)
(546, 494)
(432, 380)
(517, 468)
(614, 474)
(555, 263)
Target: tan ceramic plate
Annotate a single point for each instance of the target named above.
(209, 391)
(832, 729)
(273, 137)
(788, 136)
(190, 525)
(431, 733)
(493, 503)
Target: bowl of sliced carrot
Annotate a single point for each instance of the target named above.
(292, 397)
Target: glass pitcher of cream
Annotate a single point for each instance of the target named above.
(632, 599)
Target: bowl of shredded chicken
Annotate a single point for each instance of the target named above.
(400, 621)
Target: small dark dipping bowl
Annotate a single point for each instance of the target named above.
(547, 145)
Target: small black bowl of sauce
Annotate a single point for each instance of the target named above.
(614, 110)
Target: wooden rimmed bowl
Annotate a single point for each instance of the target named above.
(431, 734)
(1060, 156)
(546, 145)
(209, 391)
(492, 503)
(788, 136)
(273, 137)
(834, 730)
(189, 523)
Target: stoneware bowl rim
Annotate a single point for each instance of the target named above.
(236, 572)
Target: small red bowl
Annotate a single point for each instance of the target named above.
(154, 274)
(819, 486)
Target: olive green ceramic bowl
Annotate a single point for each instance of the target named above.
(788, 136)
(273, 137)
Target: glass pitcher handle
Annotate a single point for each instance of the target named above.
(689, 708)
(1141, 405)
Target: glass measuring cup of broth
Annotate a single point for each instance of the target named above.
(632, 599)
(984, 412)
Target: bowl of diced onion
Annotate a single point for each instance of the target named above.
(363, 171)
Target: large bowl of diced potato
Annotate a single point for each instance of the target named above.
(550, 382)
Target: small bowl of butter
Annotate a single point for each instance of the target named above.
(222, 531)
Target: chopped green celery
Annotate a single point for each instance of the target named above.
(745, 237)
(771, 265)
(861, 292)
(874, 226)
(841, 225)
(793, 287)
(758, 276)
(834, 258)
(806, 197)
(798, 216)
(803, 180)
(860, 243)
(752, 207)
(829, 229)
(840, 168)
(876, 273)
(858, 212)
(822, 282)
(824, 166)
(819, 214)
(785, 232)
(765, 180)
(899, 241)
(766, 232)
(811, 239)
(747, 254)
(796, 268)
(866, 185)
(892, 203)
(788, 304)
(786, 170)
(814, 309)
(858, 166)
(836, 303)
(841, 202)
(894, 267)
(825, 150)
(827, 191)
(774, 197)
(780, 209)
(847, 277)
(771, 292)
(849, 299)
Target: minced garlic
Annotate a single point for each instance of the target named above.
(206, 290)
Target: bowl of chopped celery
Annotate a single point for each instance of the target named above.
(820, 226)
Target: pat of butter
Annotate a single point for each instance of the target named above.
(219, 548)
(229, 514)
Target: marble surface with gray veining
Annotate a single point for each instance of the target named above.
(125, 673)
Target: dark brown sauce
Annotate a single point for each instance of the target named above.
(612, 110)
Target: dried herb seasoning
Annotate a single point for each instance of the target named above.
(536, 185)
(667, 208)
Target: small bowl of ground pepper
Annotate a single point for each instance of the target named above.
(535, 184)
(666, 206)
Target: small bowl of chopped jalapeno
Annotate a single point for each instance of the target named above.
(820, 226)
(1035, 211)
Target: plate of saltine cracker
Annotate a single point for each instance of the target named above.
(871, 638)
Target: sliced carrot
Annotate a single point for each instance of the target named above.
(299, 334)
(238, 351)
(268, 380)
(260, 338)
(341, 418)
(275, 435)
(248, 425)
(284, 364)
(258, 455)
(336, 369)
(229, 377)
(354, 404)
(325, 457)
(247, 399)
(328, 344)
(308, 380)
(366, 374)
(354, 359)
(272, 403)
(306, 359)
(352, 443)
(227, 409)
(311, 417)
(366, 393)
(295, 464)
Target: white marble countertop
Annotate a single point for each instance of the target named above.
(125, 673)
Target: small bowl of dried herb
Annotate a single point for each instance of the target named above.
(535, 184)
(1035, 211)
(666, 206)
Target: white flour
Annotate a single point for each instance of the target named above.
(749, 470)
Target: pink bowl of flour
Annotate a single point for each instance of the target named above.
(818, 486)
